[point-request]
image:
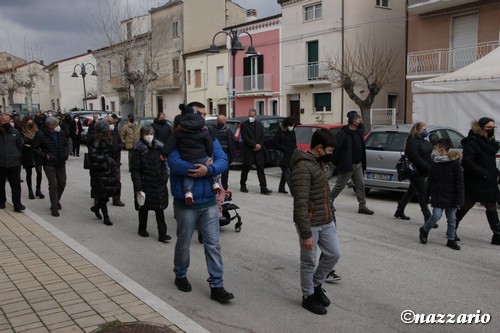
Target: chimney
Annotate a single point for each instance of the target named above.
(41, 62)
(251, 15)
(89, 51)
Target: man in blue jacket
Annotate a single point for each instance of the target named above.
(11, 144)
(204, 214)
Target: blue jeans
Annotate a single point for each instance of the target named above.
(207, 220)
(451, 214)
(188, 182)
(324, 237)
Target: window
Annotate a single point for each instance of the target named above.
(274, 107)
(313, 12)
(129, 30)
(113, 106)
(253, 72)
(197, 78)
(188, 77)
(322, 101)
(260, 107)
(220, 76)
(175, 66)
(175, 29)
(109, 68)
(382, 3)
(51, 80)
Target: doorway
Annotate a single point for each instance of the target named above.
(159, 104)
(295, 110)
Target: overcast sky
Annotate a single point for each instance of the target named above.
(59, 29)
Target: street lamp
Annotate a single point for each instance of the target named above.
(235, 47)
(83, 73)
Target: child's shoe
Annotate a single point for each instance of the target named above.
(188, 198)
(216, 187)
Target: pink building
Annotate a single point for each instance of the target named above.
(257, 76)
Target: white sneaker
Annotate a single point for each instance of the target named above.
(332, 277)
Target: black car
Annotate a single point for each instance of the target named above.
(271, 125)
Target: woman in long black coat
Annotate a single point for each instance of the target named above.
(285, 141)
(103, 181)
(418, 150)
(29, 160)
(480, 173)
(149, 175)
(75, 129)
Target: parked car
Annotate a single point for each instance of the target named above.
(271, 125)
(304, 134)
(383, 150)
(143, 121)
(86, 118)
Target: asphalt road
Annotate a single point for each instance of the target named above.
(384, 267)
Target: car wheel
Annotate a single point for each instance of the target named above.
(328, 170)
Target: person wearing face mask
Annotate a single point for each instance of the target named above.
(349, 158)
(418, 150)
(149, 175)
(11, 145)
(480, 173)
(252, 134)
(75, 128)
(129, 134)
(29, 160)
(52, 147)
(103, 181)
(116, 156)
(315, 222)
(162, 128)
(225, 136)
(285, 141)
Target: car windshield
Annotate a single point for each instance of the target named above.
(271, 125)
(390, 141)
(304, 134)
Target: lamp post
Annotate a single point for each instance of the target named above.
(83, 73)
(235, 47)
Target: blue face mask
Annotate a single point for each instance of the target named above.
(424, 134)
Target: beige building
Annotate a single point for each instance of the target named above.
(444, 36)
(181, 28)
(315, 32)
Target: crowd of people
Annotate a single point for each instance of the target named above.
(195, 158)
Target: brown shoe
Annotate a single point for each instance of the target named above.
(365, 210)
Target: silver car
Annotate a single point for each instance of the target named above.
(383, 150)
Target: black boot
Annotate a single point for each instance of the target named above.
(39, 193)
(494, 222)
(423, 235)
(401, 214)
(95, 209)
(30, 193)
(453, 245)
(320, 295)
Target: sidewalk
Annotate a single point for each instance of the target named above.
(50, 283)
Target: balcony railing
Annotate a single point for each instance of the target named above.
(447, 60)
(308, 73)
(253, 84)
(426, 6)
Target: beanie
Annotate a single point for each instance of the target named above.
(102, 126)
(483, 121)
(186, 109)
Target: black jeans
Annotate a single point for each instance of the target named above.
(285, 178)
(260, 175)
(417, 187)
(13, 175)
(160, 220)
(56, 177)
(76, 144)
(224, 177)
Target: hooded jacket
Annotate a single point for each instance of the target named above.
(479, 164)
(11, 145)
(311, 193)
(446, 181)
(342, 154)
(419, 153)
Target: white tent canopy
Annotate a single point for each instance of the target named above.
(457, 98)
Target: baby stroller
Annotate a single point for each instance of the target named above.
(225, 205)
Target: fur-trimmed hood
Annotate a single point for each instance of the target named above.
(477, 130)
(451, 156)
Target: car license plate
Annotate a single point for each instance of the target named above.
(379, 176)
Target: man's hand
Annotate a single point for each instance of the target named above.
(257, 147)
(201, 171)
(307, 243)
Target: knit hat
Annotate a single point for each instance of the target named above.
(130, 116)
(101, 126)
(186, 109)
(483, 121)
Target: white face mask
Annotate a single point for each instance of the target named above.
(290, 128)
(76, 120)
(12, 123)
(111, 127)
(251, 119)
(57, 129)
(148, 138)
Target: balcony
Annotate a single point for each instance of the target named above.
(316, 73)
(254, 85)
(427, 6)
(446, 60)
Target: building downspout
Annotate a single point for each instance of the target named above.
(342, 88)
(406, 72)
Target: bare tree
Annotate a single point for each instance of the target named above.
(363, 69)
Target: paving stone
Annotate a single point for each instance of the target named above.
(23, 320)
(90, 321)
(77, 308)
(45, 305)
(14, 307)
(53, 318)
(68, 329)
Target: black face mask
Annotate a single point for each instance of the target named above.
(490, 133)
(6, 126)
(220, 124)
(162, 122)
(326, 158)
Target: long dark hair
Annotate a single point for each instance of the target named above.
(104, 136)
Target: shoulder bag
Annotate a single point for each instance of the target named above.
(405, 168)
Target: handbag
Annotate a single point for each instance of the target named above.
(405, 168)
(89, 165)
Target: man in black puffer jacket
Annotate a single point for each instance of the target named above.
(11, 144)
(51, 145)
